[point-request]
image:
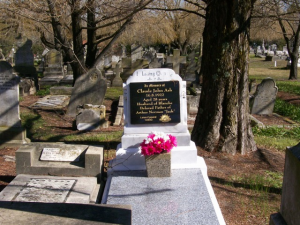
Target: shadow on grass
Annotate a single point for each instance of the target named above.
(255, 187)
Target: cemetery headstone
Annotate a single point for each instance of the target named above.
(54, 72)
(264, 97)
(176, 60)
(290, 200)
(10, 122)
(89, 88)
(1, 55)
(136, 52)
(27, 87)
(155, 63)
(24, 62)
(155, 100)
(117, 81)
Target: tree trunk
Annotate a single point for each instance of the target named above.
(91, 35)
(77, 65)
(294, 66)
(222, 122)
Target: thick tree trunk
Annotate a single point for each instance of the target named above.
(294, 66)
(78, 66)
(91, 35)
(222, 122)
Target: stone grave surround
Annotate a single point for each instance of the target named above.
(264, 98)
(155, 100)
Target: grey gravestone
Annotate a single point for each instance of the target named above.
(27, 87)
(89, 88)
(24, 62)
(117, 81)
(176, 60)
(264, 98)
(9, 97)
(54, 70)
(290, 200)
(155, 63)
(10, 123)
(190, 74)
(136, 52)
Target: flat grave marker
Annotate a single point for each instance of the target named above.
(61, 155)
(45, 190)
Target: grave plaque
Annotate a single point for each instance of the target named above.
(155, 102)
(62, 155)
(45, 190)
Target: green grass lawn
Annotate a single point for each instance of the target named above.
(278, 138)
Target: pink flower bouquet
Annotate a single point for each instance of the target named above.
(157, 142)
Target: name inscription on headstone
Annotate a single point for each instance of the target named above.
(155, 102)
(62, 155)
(7, 83)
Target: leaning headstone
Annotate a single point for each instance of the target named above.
(176, 60)
(89, 88)
(10, 122)
(264, 98)
(136, 52)
(290, 197)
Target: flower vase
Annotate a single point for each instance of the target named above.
(158, 165)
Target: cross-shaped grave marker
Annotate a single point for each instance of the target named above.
(117, 81)
(176, 59)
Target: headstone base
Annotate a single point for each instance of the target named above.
(13, 136)
(134, 140)
(277, 219)
(89, 164)
(132, 159)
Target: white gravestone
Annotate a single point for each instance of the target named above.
(176, 60)
(9, 97)
(155, 100)
(62, 155)
(264, 97)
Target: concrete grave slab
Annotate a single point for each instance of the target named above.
(90, 161)
(62, 213)
(184, 198)
(33, 188)
(52, 102)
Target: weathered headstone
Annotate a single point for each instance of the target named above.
(136, 52)
(51, 102)
(176, 60)
(54, 72)
(89, 88)
(27, 87)
(91, 117)
(117, 81)
(24, 62)
(264, 97)
(290, 197)
(10, 122)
